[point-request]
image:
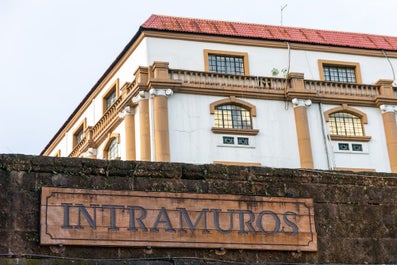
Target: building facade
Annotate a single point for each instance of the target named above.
(202, 91)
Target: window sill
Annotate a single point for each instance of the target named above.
(234, 131)
(350, 138)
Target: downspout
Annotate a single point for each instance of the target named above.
(286, 76)
(391, 65)
(330, 158)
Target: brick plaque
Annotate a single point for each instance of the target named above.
(160, 219)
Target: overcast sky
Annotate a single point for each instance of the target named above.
(52, 52)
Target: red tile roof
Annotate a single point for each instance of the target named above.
(266, 32)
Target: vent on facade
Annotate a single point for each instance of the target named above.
(228, 140)
(357, 147)
(242, 141)
(343, 146)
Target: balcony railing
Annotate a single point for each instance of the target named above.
(225, 81)
(215, 81)
(342, 89)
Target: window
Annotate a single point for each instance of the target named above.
(110, 96)
(335, 71)
(78, 134)
(233, 116)
(222, 62)
(342, 123)
(226, 64)
(346, 123)
(110, 99)
(339, 74)
(111, 149)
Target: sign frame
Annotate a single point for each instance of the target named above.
(186, 220)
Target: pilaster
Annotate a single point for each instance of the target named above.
(129, 123)
(390, 126)
(160, 122)
(303, 132)
(144, 125)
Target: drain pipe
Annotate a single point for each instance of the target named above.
(330, 157)
(391, 65)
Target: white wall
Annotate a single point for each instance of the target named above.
(192, 140)
(189, 55)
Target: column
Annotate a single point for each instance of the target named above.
(144, 125)
(389, 123)
(129, 124)
(303, 132)
(160, 122)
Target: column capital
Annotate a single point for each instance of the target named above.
(301, 102)
(90, 153)
(141, 96)
(126, 111)
(161, 92)
(388, 108)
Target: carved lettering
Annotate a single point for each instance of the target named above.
(183, 215)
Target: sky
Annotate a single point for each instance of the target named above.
(52, 52)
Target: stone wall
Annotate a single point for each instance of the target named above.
(355, 213)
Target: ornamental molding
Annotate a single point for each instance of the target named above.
(388, 108)
(161, 92)
(301, 102)
(141, 96)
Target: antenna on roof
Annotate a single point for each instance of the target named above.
(282, 9)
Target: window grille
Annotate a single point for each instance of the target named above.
(343, 74)
(342, 123)
(112, 152)
(226, 64)
(232, 116)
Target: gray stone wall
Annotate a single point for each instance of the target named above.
(355, 213)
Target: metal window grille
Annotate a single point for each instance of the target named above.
(342, 123)
(357, 147)
(232, 116)
(228, 140)
(242, 141)
(340, 74)
(226, 64)
(343, 146)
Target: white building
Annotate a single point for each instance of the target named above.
(201, 91)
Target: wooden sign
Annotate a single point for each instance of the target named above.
(160, 219)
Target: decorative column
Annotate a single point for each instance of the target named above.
(389, 123)
(144, 125)
(303, 132)
(160, 122)
(129, 124)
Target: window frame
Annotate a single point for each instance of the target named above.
(342, 64)
(80, 129)
(114, 88)
(110, 138)
(346, 109)
(244, 55)
(234, 101)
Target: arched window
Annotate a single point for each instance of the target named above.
(346, 123)
(233, 116)
(343, 123)
(111, 150)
